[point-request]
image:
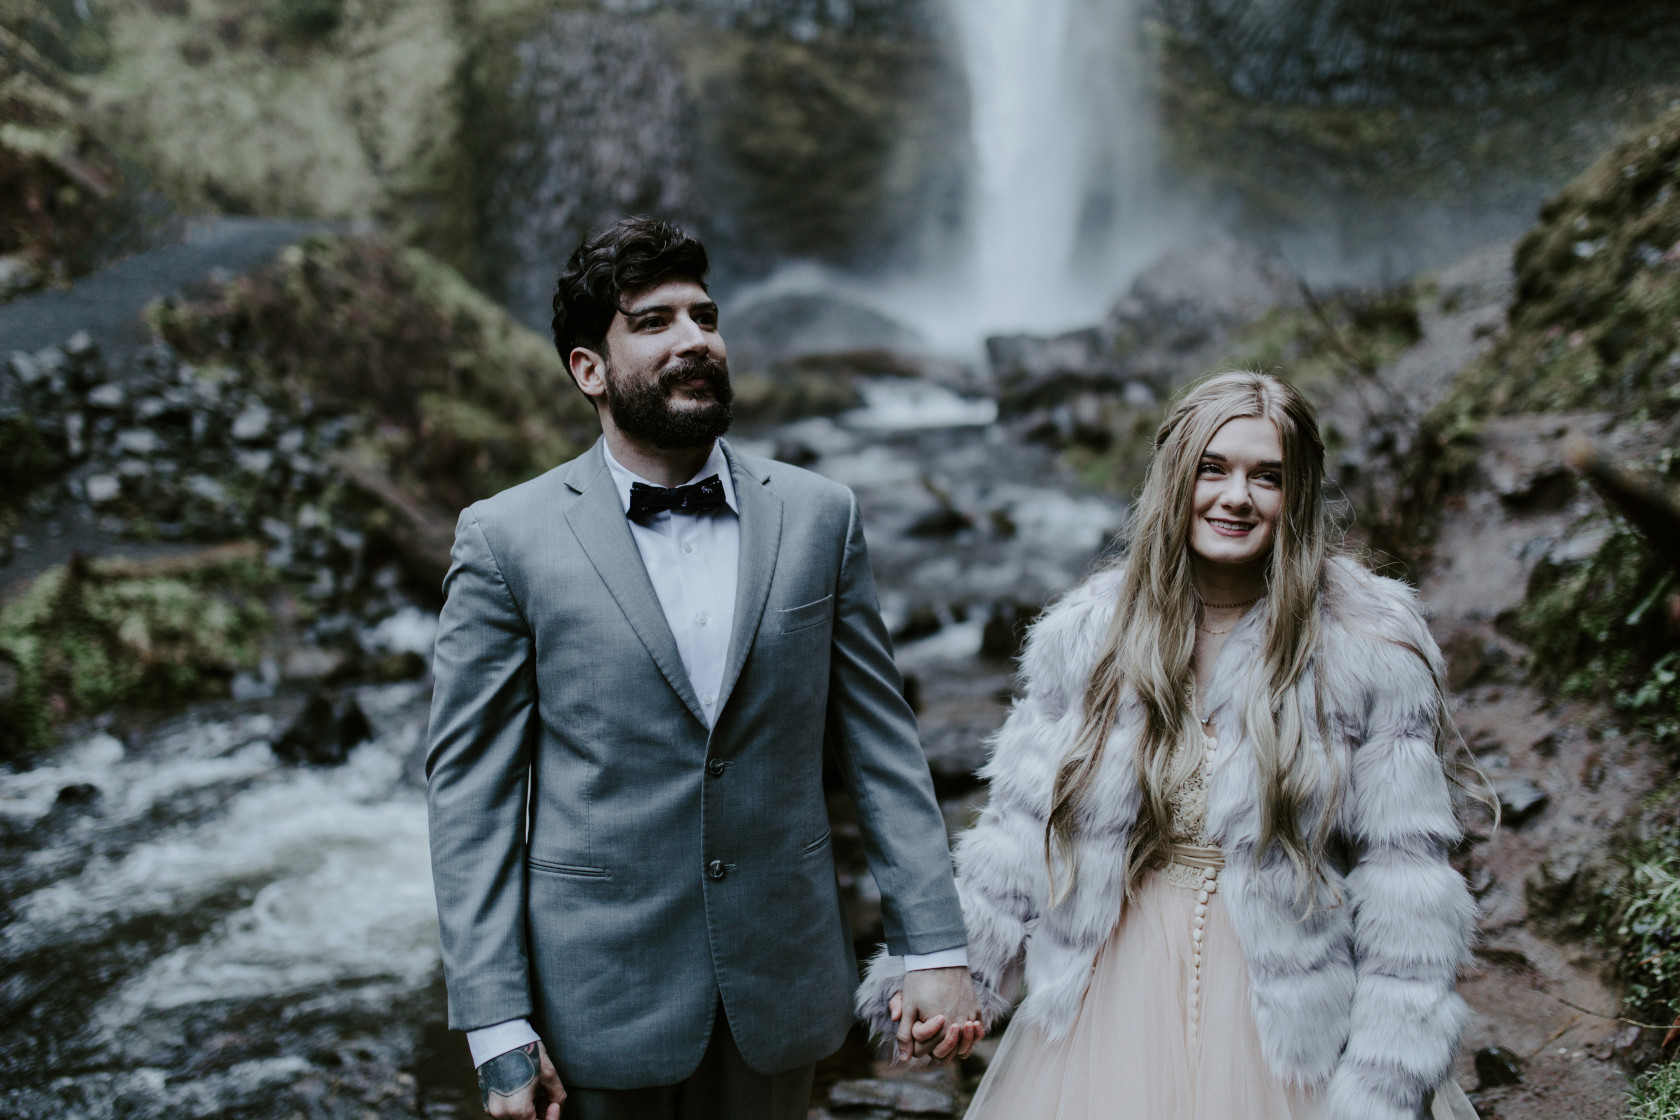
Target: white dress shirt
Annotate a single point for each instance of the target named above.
(693, 562)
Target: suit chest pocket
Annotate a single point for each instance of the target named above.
(804, 617)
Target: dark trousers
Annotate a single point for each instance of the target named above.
(723, 1088)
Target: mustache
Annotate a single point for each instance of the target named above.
(711, 370)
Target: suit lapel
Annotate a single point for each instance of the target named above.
(761, 537)
(597, 518)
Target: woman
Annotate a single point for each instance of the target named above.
(1216, 842)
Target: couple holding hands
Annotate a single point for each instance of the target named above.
(1215, 846)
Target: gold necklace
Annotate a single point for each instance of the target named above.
(1227, 630)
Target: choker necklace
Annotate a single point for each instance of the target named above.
(1228, 606)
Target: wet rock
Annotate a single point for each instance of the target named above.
(1497, 1067)
(252, 423)
(314, 663)
(945, 520)
(257, 463)
(80, 347)
(108, 396)
(102, 488)
(1006, 628)
(324, 732)
(137, 441)
(1474, 656)
(77, 793)
(1520, 800)
(921, 622)
(904, 1095)
(794, 452)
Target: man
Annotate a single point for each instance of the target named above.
(642, 656)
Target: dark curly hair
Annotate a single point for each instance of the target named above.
(635, 252)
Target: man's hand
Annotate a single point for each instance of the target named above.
(515, 1085)
(938, 1014)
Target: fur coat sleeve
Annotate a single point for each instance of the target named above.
(1001, 868)
(1413, 918)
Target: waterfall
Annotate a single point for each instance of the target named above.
(1063, 204)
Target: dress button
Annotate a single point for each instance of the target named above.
(689, 547)
(715, 767)
(702, 618)
(716, 869)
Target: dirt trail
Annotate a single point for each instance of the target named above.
(1543, 1000)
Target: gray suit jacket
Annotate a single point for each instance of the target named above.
(606, 866)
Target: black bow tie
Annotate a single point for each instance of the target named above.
(696, 497)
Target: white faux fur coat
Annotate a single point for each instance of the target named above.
(1359, 999)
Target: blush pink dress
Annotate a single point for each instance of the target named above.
(1165, 1031)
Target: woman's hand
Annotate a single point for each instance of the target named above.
(944, 1034)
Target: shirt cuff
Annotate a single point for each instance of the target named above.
(494, 1041)
(945, 958)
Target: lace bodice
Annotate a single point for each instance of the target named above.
(1188, 825)
(1190, 801)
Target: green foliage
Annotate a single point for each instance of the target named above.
(28, 458)
(84, 639)
(830, 136)
(1353, 331)
(1602, 630)
(1656, 1095)
(465, 400)
(1596, 319)
(307, 19)
(787, 395)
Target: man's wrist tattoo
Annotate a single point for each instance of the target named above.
(508, 1074)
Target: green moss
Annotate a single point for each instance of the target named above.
(1287, 159)
(1601, 630)
(791, 395)
(1596, 319)
(1656, 1095)
(464, 400)
(832, 139)
(1342, 333)
(28, 458)
(84, 640)
(308, 19)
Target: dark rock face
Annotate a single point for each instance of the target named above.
(1358, 52)
(597, 126)
(1169, 325)
(1496, 1067)
(1520, 800)
(324, 732)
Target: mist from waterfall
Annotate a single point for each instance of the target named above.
(1063, 204)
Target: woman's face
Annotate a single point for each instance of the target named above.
(1239, 492)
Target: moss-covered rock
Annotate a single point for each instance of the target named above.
(1605, 628)
(1596, 319)
(85, 638)
(463, 400)
(57, 185)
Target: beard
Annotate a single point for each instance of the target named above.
(645, 412)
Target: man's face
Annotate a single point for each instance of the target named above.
(664, 377)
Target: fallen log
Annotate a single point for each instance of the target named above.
(420, 534)
(1640, 499)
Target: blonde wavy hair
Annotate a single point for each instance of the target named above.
(1151, 642)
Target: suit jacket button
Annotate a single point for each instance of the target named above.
(715, 869)
(715, 767)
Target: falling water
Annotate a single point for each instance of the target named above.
(1063, 205)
